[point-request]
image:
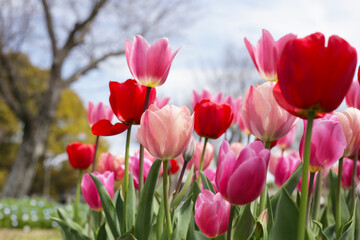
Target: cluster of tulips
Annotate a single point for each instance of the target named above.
(305, 78)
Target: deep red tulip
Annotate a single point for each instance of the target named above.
(127, 100)
(106, 128)
(80, 155)
(212, 119)
(313, 77)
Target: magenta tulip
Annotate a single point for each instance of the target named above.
(327, 143)
(211, 213)
(353, 95)
(134, 166)
(149, 65)
(265, 55)
(347, 170)
(210, 174)
(97, 112)
(111, 163)
(263, 116)
(89, 191)
(165, 132)
(274, 158)
(241, 180)
(285, 168)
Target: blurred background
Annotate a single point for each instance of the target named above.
(55, 56)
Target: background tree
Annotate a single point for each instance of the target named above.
(71, 38)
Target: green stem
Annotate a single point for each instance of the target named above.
(354, 174)
(312, 176)
(231, 216)
(263, 196)
(166, 199)
(202, 160)
(126, 171)
(304, 183)
(94, 158)
(180, 179)
(338, 200)
(317, 196)
(76, 208)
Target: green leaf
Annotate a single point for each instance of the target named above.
(67, 220)
(206, 183)
(330, 232)
(101, 235)
(159, 226)
(180, 196)
(108, 206)
(130, 204)
(357, 221)
(286, 218)
(119, 203)
(183, 218)
(260, 231)
(270, 213)
(321, 230)
(127, 236)
(144, 210)
(194, 191)
(70, 231)
(345, 214)
(244, 225)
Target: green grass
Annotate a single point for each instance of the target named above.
(16, 234)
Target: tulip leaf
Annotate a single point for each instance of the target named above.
(192, 233)
(321, 230)
(261, 231)
(183, 220)
(183, 190)
(345, 214)
(144, 210)
(270, 213)
(194, 191)
(101, 235)
(159, 225)
(119, 203)
(108, 206)
(357, 221)
(244, 225)
(348, 229)
(71, 233)
(130, 204)
(69, 221)
(286, 218)
(330, 231)
(206, 183)
(126, 236)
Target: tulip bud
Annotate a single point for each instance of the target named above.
(189, 150)
(80, 155)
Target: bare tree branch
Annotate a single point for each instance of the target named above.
(91, 65)
(50, 27)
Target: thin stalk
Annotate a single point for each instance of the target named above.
(126, 171)
(304, 183)
(202, 160)
(231, 216)
(166, 198)
(141, 156)
(76, 208)
(338, 200)
(312, 176)
(354, 174)
(263, 195)
(180, 179)
(317, 196)
(94, 158)
(248, 138)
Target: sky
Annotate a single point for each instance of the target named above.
(219, 24)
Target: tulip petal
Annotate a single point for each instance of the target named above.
(105, 128)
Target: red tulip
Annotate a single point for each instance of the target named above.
(80, 155)
(212, 119)
(314, 77)
(127, 100)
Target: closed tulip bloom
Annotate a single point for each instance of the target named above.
(211, 120)
(161, 102)
(211, 214)
(240, 180)
(149, 65)
(235, 104)
(350, 123)
(127, 100)
(286, 141)
(209, 154)
(134, 166)
(353, 95)
(263, 116)
(275, 157)
(285, 167)
(266, 53)
(89, 191)
(97, 112)
(80, 155)
(347, 169)
(111, 163)
(210, 174)
(313, 77)
(165, 132)
(327, 143)
(205, 94)
(189, 152)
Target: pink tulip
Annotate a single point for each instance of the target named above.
(350, 123)
(97, 112)
(205, 94)
(165, 132)
(347, 169)
(298, 186)
(161, 102)
(111, 163)
(210, 174)
(263, 116)
(134, 166)
(149, 65)
(241, 180)
(90, 192)
(235, 105)
(327, 143)
(274, 158)
(209, 153)
(285, 167)
(266, 54)
(286, 141)
(353, 95)
(211, 214)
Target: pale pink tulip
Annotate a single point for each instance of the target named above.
(236, 147)
(165, 132)
(205, 94)
(353, 95)
(97, 112)
(161, 102)
(267, 53)
(286, 141)
(209, 153)
(346, 178)
(350, 123)
(89, 191)
(327, 143)
(241, 180)
(211, 214)
(263, 116)
(149, 65)
(111, 163)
